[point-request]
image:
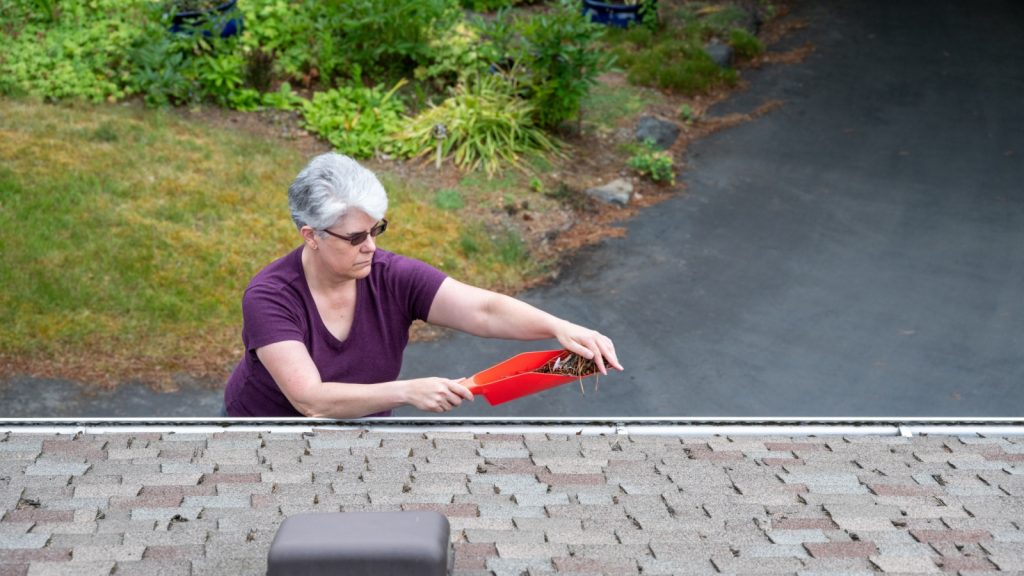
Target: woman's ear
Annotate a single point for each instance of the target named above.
(309, 237)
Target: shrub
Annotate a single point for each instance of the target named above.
(488, 5)
(187, 68)
(391, 38)
(454, 57)
(285, 34)
(160, 72)
(355, 119)
(561, 62)
(486, 125)
(552, 56)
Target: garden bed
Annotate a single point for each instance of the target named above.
(507, 230)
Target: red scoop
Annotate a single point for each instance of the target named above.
(515, 377)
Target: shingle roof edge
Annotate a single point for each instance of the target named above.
(884, 426)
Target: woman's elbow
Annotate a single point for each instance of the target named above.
(306, 401)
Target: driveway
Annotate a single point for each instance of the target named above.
(859, 251)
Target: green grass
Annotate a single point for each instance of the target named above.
(606, 104)
(129, 234)
(449, 199)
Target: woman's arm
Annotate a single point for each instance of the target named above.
(491, 315)
(297, 376)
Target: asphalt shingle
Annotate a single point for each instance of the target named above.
(534, 503)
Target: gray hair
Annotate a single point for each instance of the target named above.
(331, 185)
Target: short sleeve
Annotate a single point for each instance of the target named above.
(270, 315)
(417, 284)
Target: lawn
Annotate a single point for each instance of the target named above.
(129, 234)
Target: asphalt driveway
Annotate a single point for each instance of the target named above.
(859, 251)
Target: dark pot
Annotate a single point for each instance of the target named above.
(619, 15)
(224, 20)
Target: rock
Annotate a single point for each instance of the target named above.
(615, 192)
(720, 54)
(661, 132)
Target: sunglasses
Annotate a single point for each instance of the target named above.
(360, 237)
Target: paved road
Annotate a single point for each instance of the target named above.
(857, 252)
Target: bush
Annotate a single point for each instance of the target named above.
(553, 58)
(486, 124)
(561, 62)
(160, 72)
(487, 5)
(356, 120)
(284, 34)
(389, 38)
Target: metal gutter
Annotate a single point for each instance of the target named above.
(717, 426)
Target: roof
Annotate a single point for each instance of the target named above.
(538, 502)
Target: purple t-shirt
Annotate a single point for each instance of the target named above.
(278, 306)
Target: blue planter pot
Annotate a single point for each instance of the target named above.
(619, 15)
(224, 21)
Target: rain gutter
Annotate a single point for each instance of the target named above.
(713, 426)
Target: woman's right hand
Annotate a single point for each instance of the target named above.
(436, 394)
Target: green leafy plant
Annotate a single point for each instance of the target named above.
(486, 125)
(654, 164)
(649, 14)
(284, 99)
(245, 100)
(488, 5)
(281, 38)
(551, 56)
(220, 75)
(57, 50)
(453, 57)
(390, 38)
(190, 5)
(686, 114)
(160, 72)
(355, 119)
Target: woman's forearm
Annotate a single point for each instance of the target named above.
(339, 400)
(506, 317)
(492, 315)
(343, 401)
(299, 380)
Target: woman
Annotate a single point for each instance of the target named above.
(333, 316)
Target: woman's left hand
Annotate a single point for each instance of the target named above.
(589, 344)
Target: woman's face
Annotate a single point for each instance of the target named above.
(340, 255)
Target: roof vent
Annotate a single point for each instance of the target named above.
(411, 543)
